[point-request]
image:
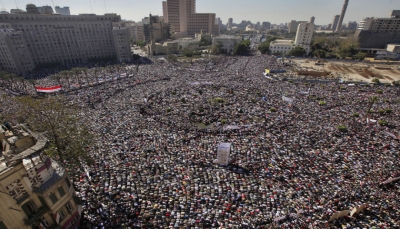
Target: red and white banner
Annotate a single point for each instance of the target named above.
(49, 89)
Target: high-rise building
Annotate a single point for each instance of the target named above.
(312, 19)
(122, 38)
(184, 21)
(342, 14)
(352, 25)
(66, 39)
(378, 32)
(176, 13)
(293, 24)
(304, 33)
(335, 22)
(266, 25)
(35, 190)
(229, 25)
(62, 11)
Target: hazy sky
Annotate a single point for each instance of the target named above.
(274, 11)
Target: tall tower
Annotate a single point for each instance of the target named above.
(339, 25)
(312, 19)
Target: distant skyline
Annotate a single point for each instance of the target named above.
(274, 11)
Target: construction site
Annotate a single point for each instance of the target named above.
(348, 70)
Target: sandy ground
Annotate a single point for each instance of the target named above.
(362, 71)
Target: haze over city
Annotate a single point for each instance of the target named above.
(251, 10)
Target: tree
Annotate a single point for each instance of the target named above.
(204, 41)
(297, 51)
(217, 48)
(59, 122)
(360, 56)
(371, 101)
(241, 48)
(141, 43)
(264, 47)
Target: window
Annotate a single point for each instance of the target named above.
(53, 197)
(61, 191)
(62, 215)
(69, 207)
(2, 225)
(29, 208)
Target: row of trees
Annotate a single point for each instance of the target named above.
(323, 46)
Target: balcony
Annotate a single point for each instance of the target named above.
(35, 217)
(21, 199)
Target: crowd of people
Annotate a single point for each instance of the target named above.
(291, 166)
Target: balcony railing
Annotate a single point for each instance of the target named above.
(35, 217)
(21, 199)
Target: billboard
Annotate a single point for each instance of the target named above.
(223, 152)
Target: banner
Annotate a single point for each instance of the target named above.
(49, 89)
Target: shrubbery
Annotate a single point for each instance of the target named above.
(322, 103)
(383, 122)
(341, 128)
(375, 80)
(355, 115)
(272, 109)
(169, 109)
(379, 91)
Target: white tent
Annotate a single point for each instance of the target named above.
(223, 152)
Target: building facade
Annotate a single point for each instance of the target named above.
(64, 39)
(293, 24)
(227, 43)
(122, 38)
(378, 32)
(36, 191)
(352, 25)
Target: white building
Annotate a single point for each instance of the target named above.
(227, 42)
(188, 43)
(303, 39)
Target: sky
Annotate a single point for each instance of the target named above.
(274, 11)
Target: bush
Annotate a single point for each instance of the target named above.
(183, 100)
(388, 110)
(169, 109)
(361, 90)
(201, 109)
(174, 92)
(381, 111)
(322, 103)
(258, 93)
(223, 121)
(385, 100)
(219, 100)
(355, 115)
(342, 88)
(290, 81)
(383, 122)
(341, 128)
(272, 109)
(375, 80)
(379, 91)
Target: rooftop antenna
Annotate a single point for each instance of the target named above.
(2, 4)
(90, 3)
(105, 8)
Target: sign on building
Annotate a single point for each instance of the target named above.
(223, 152)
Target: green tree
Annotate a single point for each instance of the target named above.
(297, 51)
(217, 48)
(360, 56)
(59, 121)
(141, 43)
(242, 48)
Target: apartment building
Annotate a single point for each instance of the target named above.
(293, 24)
(378, 32)
(66, 39)
(35, 191)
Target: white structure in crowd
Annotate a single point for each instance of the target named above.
(62, 11)
(303, 39)
(223, 153)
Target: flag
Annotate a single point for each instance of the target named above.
(49, 89)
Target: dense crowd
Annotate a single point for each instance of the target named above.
(159, 127)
